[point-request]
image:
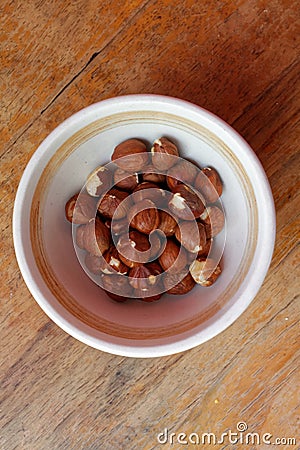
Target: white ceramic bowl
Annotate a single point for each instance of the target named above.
(43, 240)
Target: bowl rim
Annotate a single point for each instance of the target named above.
(262, 259)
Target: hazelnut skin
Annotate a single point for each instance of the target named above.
(80, 209)
(160, 151)
(209, 183)
(99, 181)
(170, 259)
(129, 245)
(184, 285)
(183, 172)
(144, 216)
(213, 219)
(125, 180)
(112, 259)
(93, 263)
(185, 234)
(111, 201)
(149, 191)
(96, 237)
(135, 152)
(186, 203)
(153, 177)
(167, 223)
(205, 271)
(80, 236)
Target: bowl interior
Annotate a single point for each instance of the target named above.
(73, 292)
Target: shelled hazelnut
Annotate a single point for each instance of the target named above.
(146, 233)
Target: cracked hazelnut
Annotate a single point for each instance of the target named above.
(186, 234)
(214, 220)
(80, 209)
(111, 201)
(99, 181)
(184, 285)
(186, 203)
(205, 271)
(209, 183)
(173, 258)
(144, 216)
(125, 180)
(96, 237)
(161, 150)
(167, 223)
(129, 247)
(135, 152)
(183, 172)
(112, 258)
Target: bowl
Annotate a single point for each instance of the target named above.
(43, 239)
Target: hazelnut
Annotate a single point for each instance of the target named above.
(109, 205)
(214, 220)
(80, 209)
(149, 191)
(119, 227)
(125, 180)
(133, 248)
(206, 248)
(93, 263)
(99, 181)
(209, 183)
(116, 286)
(183, 172)
(144, 279)
(112, 258)
(161, 150)
(167, 223)
(191, 235)
(79, 237)
(130, 155)
(186, 203)
(158, 242)
(96, 237)
(205, 271)
(179, 284)
(152, 176)
(143, 216)
(173, 258)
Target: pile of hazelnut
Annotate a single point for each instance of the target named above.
(147, 220)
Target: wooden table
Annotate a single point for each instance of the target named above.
(239, 59)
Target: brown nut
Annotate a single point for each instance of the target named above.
(173, 258)
(184, 285)
(129, 245)
(167, 223)
(99, 181)
(116, 286)
(125, 180)
(186, 203)
(96, 237)
(80, 236)
(119, 227)
(144, 216)
(80, 209)
(111, 201)
(141, 278)
(209, 183)
(214, 220)
(183, 172)
(113, 261)
(205, 271)
(152, 176)
(160, 152)
(93, 263)
(149, 191)
(206, 249)
(185, 234)
(135, 152)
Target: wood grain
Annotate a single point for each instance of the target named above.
(240, 60)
